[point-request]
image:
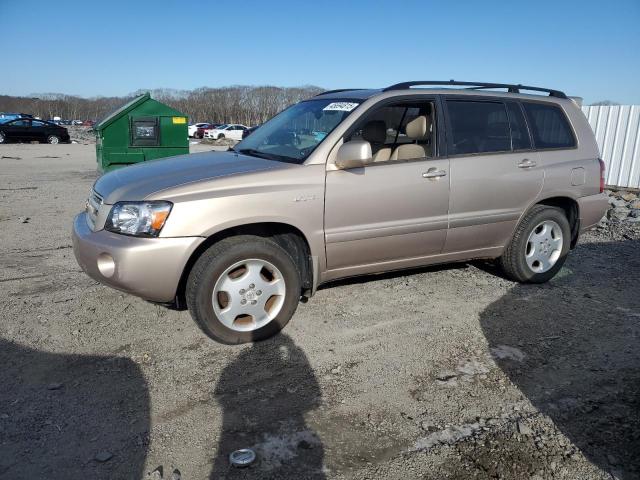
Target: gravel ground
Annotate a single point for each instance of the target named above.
(444, 372)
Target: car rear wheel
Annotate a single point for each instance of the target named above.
(53, 139)
(539, 246)
(243, 289)
(3, 139)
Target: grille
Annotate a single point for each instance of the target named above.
(93, 205)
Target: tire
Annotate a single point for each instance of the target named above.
(3, 139)
(520, 263)
(216, 267)
(221, 136)
(53, 139)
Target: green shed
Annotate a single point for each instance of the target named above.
(143, 129)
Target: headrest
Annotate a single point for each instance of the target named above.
(418, 128)
(375, 131)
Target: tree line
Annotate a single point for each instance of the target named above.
(249, 105)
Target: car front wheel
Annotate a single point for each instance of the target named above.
(53, 139)
(3, 139)
(539, 246)
(243, 289)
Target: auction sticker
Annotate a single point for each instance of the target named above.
(341, 106)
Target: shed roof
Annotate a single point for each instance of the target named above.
(127, 107)
(153, 106)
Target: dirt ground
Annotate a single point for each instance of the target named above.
(444, 372)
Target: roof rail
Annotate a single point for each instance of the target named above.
(511, 88)
(338, 91)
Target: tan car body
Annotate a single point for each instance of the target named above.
(376, 218)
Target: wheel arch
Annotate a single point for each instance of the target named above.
(287, 236)
(571, 209)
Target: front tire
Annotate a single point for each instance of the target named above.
(53, 139)
(221, 136)
(3, 139)
(539, 246)
(243, 289)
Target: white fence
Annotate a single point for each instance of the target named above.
(617, 130)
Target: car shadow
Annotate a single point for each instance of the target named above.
(71, 416)
(580, 335)
(264, 394)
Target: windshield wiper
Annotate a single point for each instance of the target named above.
(268, 156)
(252, 152)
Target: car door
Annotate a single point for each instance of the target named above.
(39, 130)
(19, 130)
(495, 174)
(390, 213)
(236, 132)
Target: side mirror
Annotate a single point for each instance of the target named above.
(354, 154)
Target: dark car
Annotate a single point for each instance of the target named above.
(29, 129)
(249, 131)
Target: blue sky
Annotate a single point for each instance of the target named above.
(113, 47)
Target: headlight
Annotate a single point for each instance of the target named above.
(141, 219)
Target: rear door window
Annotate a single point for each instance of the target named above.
(478, 127)
(549, 126)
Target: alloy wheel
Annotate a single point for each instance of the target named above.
(248, 295)
(544, 246)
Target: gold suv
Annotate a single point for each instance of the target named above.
(347, 183)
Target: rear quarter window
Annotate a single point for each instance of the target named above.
(549, 126)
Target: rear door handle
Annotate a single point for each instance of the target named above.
(433, 173)
(526, 163)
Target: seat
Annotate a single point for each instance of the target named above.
(375, 132)
(418, 129)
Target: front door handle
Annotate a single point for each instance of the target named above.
(526, 163)
(434, 173)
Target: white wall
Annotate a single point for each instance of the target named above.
(617, 130)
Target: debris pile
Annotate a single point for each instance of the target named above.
(624, 206)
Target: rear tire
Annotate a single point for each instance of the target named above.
(213, 270)
(53, 139)
(539, 246)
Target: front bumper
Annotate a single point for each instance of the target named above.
(592, 209)
(150, 268)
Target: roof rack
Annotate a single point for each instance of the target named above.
(338, 91)
(511, 88)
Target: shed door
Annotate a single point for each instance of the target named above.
(145, 131)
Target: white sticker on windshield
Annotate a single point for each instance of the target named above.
(341, 106)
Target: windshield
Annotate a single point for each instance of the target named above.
(294, 133)
(222, 127)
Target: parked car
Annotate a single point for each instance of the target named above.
(5, 116)
(193, 128)
(202, 130)
(28, 129)
(238, 237)
(232, 131)
(249, 131)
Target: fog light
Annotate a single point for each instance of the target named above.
(106, 265)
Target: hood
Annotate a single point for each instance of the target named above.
(137, 182)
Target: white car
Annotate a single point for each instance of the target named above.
(193, 128)
(233, 131)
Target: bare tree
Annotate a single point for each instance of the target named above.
(249, 105)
